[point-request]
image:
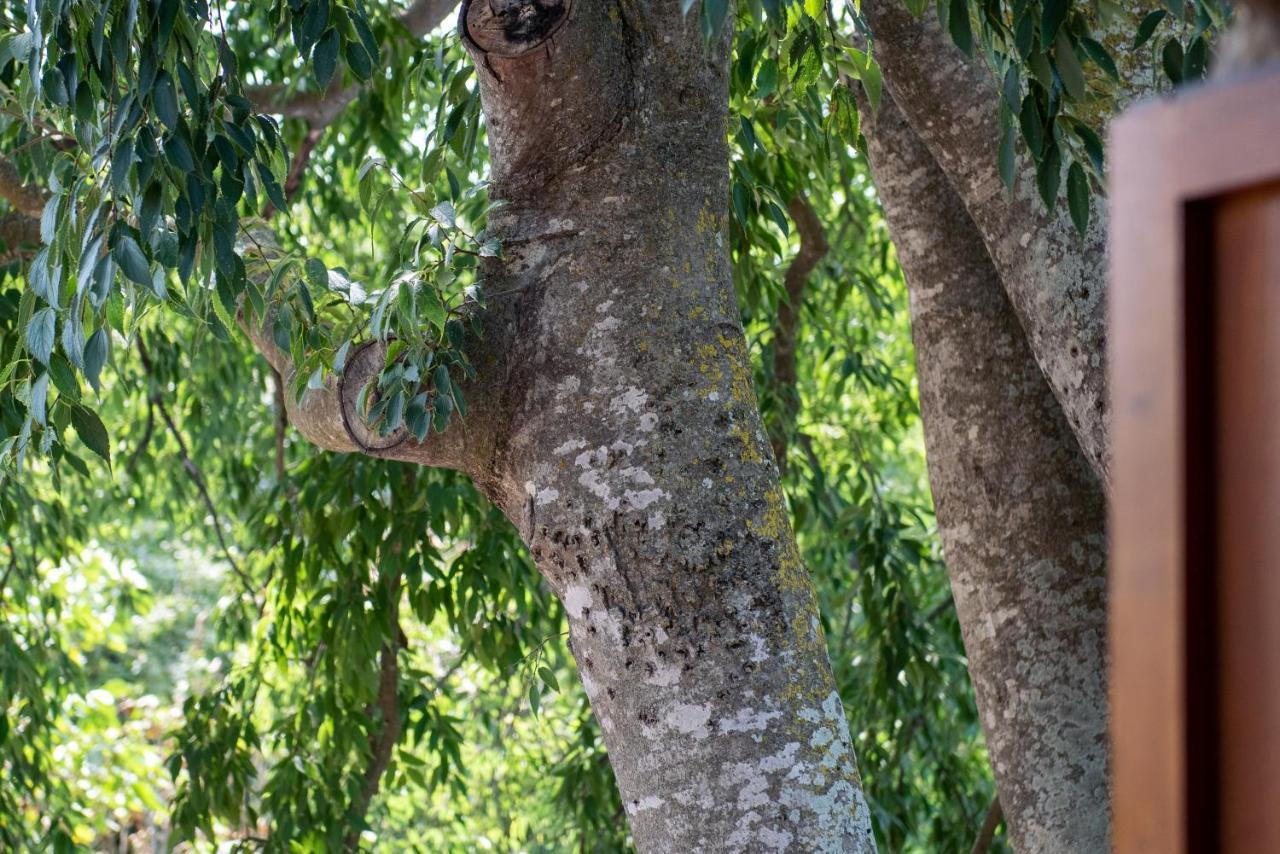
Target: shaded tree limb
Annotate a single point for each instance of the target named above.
(987, 834)
(281, 422)
(293, 181)
(18, 228)
(25, 198)
(813, 246)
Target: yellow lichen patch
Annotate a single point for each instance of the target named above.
(696, 312)
(774, 524)
(750, 453)
(709, 367)
(707, 220)
(741, 389)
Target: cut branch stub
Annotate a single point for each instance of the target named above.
(512, 27)
(363, 368)
(554, 78)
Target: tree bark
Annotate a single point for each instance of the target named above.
(1056, 280)
(615, 424)
(1020, 511)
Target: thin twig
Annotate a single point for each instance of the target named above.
(13, 565)
(193, 471)
(383, 742)
(145, 441)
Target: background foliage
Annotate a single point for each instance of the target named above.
(213, 634)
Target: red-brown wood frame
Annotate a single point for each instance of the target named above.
(1194, 343)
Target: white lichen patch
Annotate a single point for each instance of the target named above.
(747, 720)
(689, 719)
(577, 598)
(569, 447)
(633, 399)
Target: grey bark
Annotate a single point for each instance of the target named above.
(1055, 280)
(615, 424)
(1020, 511)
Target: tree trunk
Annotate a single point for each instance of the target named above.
(635, 464)
(1020, 511)
(1056, 280)
(615, 424)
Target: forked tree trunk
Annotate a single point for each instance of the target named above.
(616, 425)
(1055, 280)
(1021, 513)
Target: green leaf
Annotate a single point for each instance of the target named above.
(92, 432)
(961, 30)
(64, 378)
(39, 398)
(444, 214)
(1195, 60)
(1171, 60)
(1068, 64)
(1032, 130)
(95, 356)
(873, 82)
(442, 381)
(1101, 57)
(131, 260)
(548, 678)
(1054, 13)
(358, 60)
(41, 333)
(317, 273)
(1049, 175)
(164, 99)
(178, 154)
(314, 20)
(431, 307)
(1007, 159)
(121, 162)
(1148, 27)
(324, 59)
(1078, 197)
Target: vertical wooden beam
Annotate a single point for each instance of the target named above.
(1195, 540)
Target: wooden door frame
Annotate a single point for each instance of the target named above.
(1169, 160)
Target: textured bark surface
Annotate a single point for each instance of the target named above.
(1055, 279)
(635, 465)
(615, 424)
(1021, 513)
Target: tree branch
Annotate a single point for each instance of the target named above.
(1055, 280)
(24, 198)
(319, 109)
(813, 246)
(987, 834)
(17, 229)
(1020, 514)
